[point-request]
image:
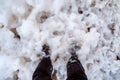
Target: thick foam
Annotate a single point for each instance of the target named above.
(25, 25)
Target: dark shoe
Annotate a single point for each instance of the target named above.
(75, 70)
(44, 68)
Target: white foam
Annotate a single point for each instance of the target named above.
(57, 22)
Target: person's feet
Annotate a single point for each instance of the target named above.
(44, 68)
(75, 70)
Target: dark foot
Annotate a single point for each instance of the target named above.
(46, 49)
(44, 68)
(75, 70)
